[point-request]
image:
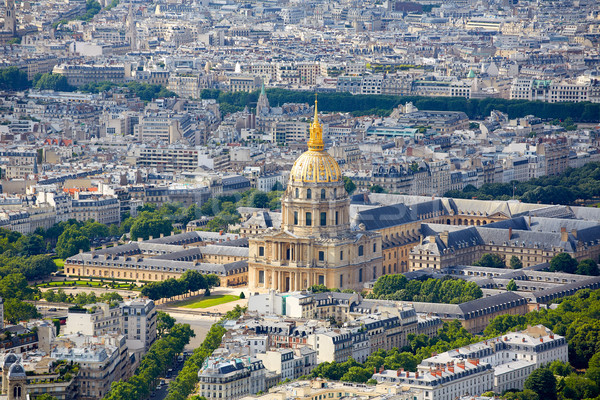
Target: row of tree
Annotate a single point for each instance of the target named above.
(12, 78)
(154, 364)
(185, 382)
(190, 281)
(574, 184)
(383, 104)
(81, 298)
(446, 290)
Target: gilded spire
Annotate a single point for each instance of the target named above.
(315, 142)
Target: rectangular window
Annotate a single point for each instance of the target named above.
(321, 256)
(323, 218)
(361, 250)
(336, 217)
(295, 217)
(261, 251)
(308, 219)
(341, 280)
(261, 276)
(321, 279)
(341, 255)
(360, 275)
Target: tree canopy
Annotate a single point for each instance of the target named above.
(397, 287)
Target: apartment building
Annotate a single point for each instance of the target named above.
(498, 364)
(105, 210)
(82, 74)
(102, 359)
(231, 379)
(163, 127)
(135, 319)
(167, 159)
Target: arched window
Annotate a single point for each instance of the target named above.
(374, 247)
(323, 218)
(308, 194)
(335, 193)
(308, 218)
(297, 192)
(322, 194)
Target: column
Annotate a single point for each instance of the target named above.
(292, 281)
(276, 279)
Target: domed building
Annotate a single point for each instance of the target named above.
(315, 244)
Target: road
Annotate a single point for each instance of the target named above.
(199, 324)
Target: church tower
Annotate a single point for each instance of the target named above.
(10, 18)
(315, 243)
(262, 105)
(131, 33)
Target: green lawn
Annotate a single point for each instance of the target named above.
(59, 262)
(208, 301)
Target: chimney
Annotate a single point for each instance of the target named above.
(444, 237)
(417, 374)
(398, 372)
(140, 239)
(374, 370)
(431, 238)
(80, 251)
(564, 236)
(381, 369)
(510, 233)
(574, 233)
(150, 237)
(162, 235)
(221, 233)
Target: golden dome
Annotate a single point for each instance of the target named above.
(316, 165)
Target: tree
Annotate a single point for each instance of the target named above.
(357, 374)
(349, 185)
(15, 286)
(512, 286)
(490, 260)
(45, 396)
(164, 323)
(579, 387)
(16, 310)
(388, 284)
(277, 187)
(543, 383)
(12, 78)
(71, 241)
(50, 81)
(30, 245)
(524, 395)
(587, 267)
(560, 368)
(563, 262)
(377, 189)
(150, 225)
(516, 263)
(242, 295)
(259, 200)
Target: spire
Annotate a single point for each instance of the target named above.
(315, 142)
